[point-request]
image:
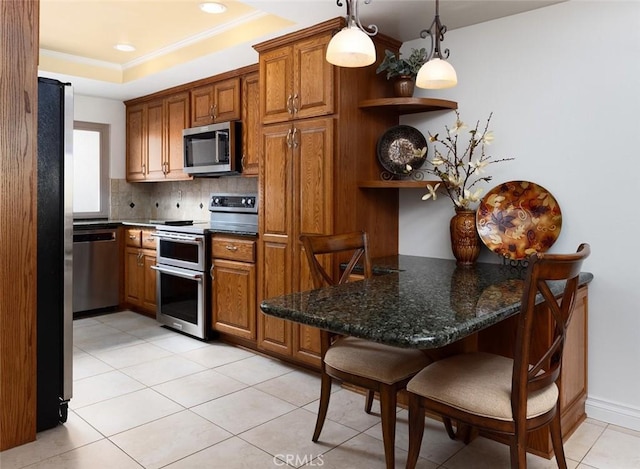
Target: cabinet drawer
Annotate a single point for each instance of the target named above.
(133, 237)
(236, 249)
(148, 241)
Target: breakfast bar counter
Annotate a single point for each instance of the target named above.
(431, 304)
(418, 303)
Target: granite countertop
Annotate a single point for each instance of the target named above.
(79, 225)
(110, 223)
(421, 303)
(99, 224)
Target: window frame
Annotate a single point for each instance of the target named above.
(104, 133)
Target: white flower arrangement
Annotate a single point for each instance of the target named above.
(459, 172)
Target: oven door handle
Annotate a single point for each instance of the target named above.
(178, 273)
(176, 237)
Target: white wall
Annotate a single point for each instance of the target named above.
(106, 111)
(564, 85)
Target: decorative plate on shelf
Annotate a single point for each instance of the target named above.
(518, 218)
(400, 146)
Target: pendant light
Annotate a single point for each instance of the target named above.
(352, 47)
(436, 73)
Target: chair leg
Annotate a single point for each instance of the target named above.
(388, 419)
(369, 401)
(325, 393)
(556, 439)
(416, 429)
(518, 449)
(448, 427)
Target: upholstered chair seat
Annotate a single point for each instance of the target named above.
(374, 361)
(482, 386)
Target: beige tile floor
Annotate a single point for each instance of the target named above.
(148, 397)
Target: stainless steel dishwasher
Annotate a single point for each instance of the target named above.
(96, 272)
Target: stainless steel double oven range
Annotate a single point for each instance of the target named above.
(184, 259)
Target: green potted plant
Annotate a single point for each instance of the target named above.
(404, 70)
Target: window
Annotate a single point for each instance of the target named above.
(90, 170)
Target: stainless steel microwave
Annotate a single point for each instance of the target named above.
(213, 150)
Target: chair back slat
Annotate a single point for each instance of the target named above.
(316, 245)
(531, 373)
(355, 243)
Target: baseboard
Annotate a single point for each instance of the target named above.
(614, 413)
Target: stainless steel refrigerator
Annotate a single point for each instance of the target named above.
(55, 252)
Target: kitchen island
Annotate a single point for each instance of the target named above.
(428, 303)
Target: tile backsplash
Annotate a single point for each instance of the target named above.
(177, 200)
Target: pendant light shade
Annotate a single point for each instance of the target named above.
(436, 74)
(351, 47)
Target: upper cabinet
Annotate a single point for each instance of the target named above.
(216, 102)
(155, 149)
(296, 81)
(154, 138)
(251, 124)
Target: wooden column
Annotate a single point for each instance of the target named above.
(19, 27)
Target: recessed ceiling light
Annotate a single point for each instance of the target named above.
(213, 7)
(124, 47)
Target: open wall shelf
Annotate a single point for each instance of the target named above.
(403, 106)
(395, 184)
(409, 105)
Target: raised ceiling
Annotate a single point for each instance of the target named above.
(176, 42)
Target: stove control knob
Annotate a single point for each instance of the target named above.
(244, 201)
(250, 201)
(216, 201)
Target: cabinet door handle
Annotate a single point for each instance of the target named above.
(144, 168)
(289, 142)
(230, 247)
(133, 237)
(295, 103)
(214, 110)
(244, 157)
(290, 104)
(140, 257)
(211, 271)
(293, 138)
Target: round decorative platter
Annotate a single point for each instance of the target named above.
(402, 149)
(518, 218)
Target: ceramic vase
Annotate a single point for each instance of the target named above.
(403, 86)
(465, 242)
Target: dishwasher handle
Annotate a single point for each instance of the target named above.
(94, 236)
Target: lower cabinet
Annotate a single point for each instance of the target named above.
(233, 286)
(139, 277)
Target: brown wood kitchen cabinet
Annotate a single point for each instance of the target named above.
(154, 138)
(139, 277)
(216, 102)
(296, 81)
(316, 144)
(233, 285)
(251, 124)
(296, 199)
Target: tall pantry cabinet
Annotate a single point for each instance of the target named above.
(316, 144)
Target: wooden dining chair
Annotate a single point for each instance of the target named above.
(372, 366)
(499, 394)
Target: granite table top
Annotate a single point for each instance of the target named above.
(414, 302)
